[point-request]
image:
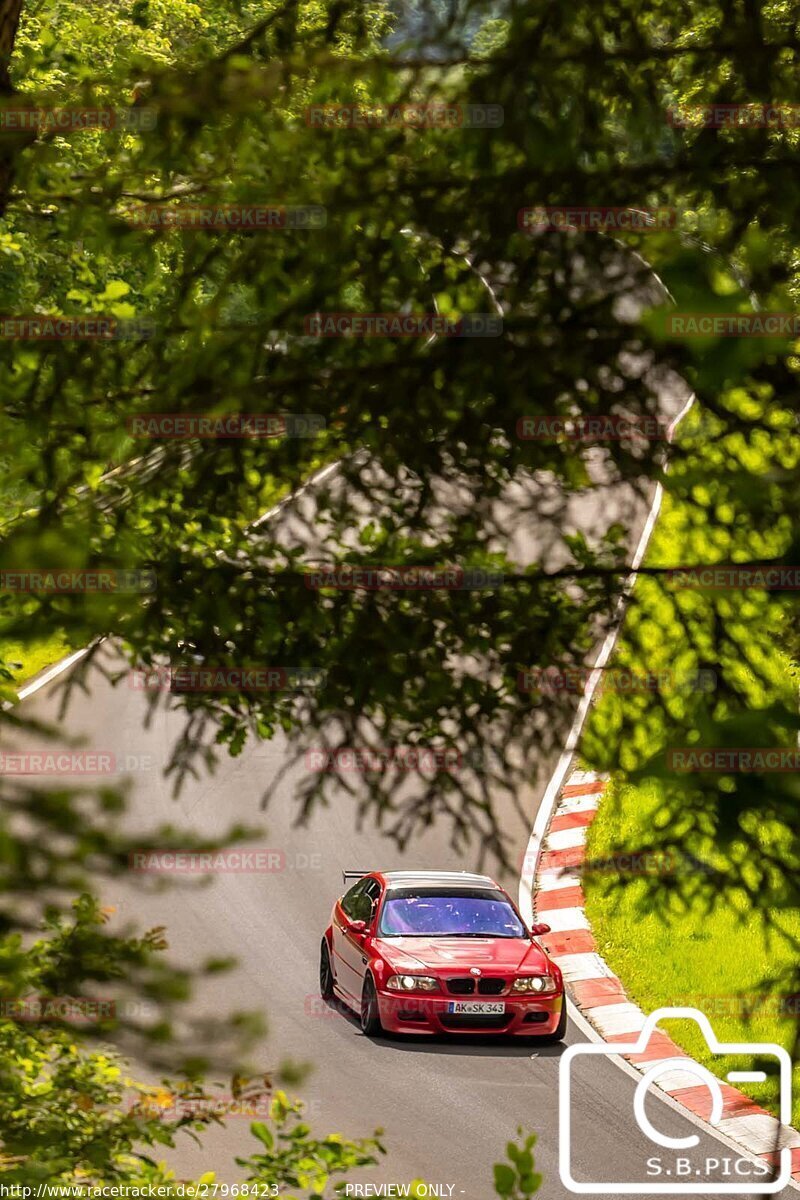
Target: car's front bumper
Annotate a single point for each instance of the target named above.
(524, 1016)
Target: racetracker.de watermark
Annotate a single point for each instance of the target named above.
(63, 581)
(430, 115)
(332, 1010)
(378, 760)
(69, 120)
(602, 427)
(263, 861)
(731, 578)
(225, 425)
(170, 1107)
(554, 681)
(73, 762)
(652, 863)
(38, 327)
(75, 1009)
(744, 1005)
(595, 218)
(226, 679)
(351, 577)
(760, 324)
(229, 216)
(323, 1010)
(750, 760)
(735, 116)
(398, 325)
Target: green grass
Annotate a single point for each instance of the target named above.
(719, 962)
(26, 659)
(730, 952)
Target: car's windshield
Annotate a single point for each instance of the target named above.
(446, 915)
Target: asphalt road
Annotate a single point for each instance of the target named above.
(447, 1108)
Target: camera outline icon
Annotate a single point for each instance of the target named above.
(696, 1187)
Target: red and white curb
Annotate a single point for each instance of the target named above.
(600, 996)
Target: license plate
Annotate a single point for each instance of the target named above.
(484, 1008)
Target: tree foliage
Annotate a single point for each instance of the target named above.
(432, 469)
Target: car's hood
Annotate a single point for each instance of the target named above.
(461, 953)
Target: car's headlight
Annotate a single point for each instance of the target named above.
(540, 984)
(412, 983)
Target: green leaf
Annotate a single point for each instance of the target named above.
(263, 1133)
(504, 1179)
(115, 289)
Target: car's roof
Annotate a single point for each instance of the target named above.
(445, 879)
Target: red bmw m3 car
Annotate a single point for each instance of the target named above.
(439, 952)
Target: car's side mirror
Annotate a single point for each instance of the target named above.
(357, 927)
(539, 929)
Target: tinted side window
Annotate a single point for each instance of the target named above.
(351, 898)
(368, 902)
(359, 903)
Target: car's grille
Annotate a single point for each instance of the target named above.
(475, 1020)
(466, 987)
(491, 987)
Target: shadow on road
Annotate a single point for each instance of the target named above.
(464, 1044)
(470, 1046)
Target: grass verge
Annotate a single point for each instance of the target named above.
(26, 659)
(725, 962)
(679, 936)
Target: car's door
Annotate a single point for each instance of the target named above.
(359, 904)
(343, 950)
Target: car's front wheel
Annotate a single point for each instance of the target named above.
(370, 1016)
(325, 972)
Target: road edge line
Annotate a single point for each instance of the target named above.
(529, 882)
(552, 792)
(48, 674)
(613, 1015)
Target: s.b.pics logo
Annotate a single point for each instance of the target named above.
(670, 1158)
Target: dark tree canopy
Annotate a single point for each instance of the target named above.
(432, 468)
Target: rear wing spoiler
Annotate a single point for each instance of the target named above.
(347, 876)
